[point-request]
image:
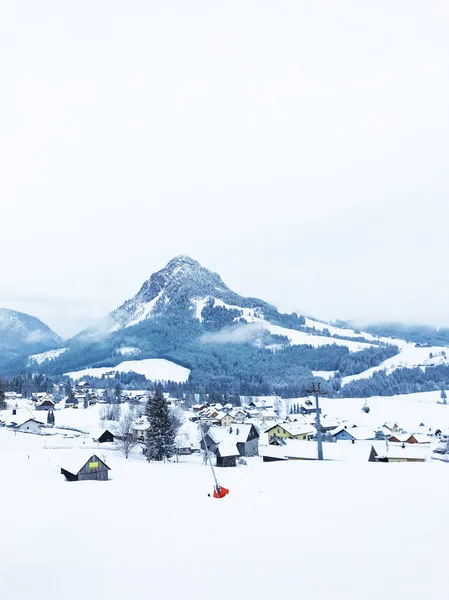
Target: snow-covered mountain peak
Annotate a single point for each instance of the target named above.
(182, 281)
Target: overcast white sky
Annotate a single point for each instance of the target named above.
(299, 148)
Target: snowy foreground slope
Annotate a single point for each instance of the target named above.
(313, 530)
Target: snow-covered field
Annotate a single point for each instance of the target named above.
(409, 410)
(49, 355)
(343, 529)
(155, 369)
(315, 530)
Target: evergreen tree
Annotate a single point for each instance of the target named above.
(68, 388)
(118, 393)
(443, 396)
(161, 432)
(3, 404)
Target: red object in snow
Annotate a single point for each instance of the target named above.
(221, 492)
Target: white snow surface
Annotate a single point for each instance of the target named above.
(324, 374)
(301, 337)
(154, 369)
(409, 356)
(127, 350)
(359, 506)
(49, 355)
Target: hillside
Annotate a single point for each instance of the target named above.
(188, 317)
(22, 335)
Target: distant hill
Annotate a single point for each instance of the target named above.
(22, 335)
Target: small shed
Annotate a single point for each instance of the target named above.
(77, 469)
(102, 435)
(226, 454)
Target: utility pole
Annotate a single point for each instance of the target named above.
(319, 438)
(217, 485)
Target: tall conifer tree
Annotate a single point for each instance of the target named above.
(161, 432)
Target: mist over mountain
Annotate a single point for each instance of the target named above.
(22, 334)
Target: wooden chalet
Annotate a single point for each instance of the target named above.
(92, 469)
(46, 404)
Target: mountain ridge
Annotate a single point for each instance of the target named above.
(186, 314)
(22, 334)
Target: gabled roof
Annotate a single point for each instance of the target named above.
(97, 433)
(395, 451)
(236, 410)
(421, 438)
(356, 433)
(75, 461)
(28, 421)
(235, 433)
(221, 415)
(227, 449)
(296, 428)
(140, 424)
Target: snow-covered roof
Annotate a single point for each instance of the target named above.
(140, 424)
(28, 420)
(409, 451)
(268, 413)
(358, 433)
(226, 449)
(221, 415)
(291, 449)
(400, 437)
(421, 438)
(234, 433)
(296, 428)
(236, 410)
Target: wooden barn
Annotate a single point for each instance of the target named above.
(78, 470)
(102, 435)
(226, 454)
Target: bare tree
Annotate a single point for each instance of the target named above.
(110, 412)
(125, 440)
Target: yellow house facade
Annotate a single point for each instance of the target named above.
(224, 419)
(292, 431)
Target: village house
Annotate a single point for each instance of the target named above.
(398, 453)
(418, 438)
(45, 404)
(76, 469)
(30, 426)
(238, 415)
(353, 434)
(268, 414)
(223, 419)
(297, 431)
(139, 427)
(12, 396)
(83, 386)
(289, 449)
(245, 436)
